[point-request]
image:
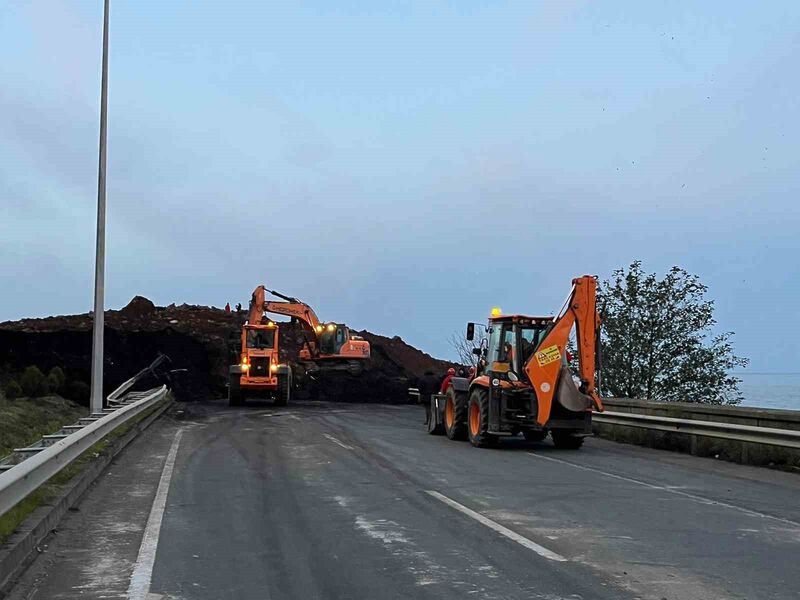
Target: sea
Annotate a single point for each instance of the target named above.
(770, 390)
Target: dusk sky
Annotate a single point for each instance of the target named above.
(405, 166)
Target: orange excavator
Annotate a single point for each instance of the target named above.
(327, 346)
(524, 383)
(259, 371)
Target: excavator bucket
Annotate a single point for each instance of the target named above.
(568, 395)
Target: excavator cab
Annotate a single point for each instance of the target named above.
(332, 337)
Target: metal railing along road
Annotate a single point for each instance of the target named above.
(25, 469)
(785, 438)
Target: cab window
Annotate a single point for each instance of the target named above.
(261, 339)
(501, 348)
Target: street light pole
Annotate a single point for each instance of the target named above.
(96, 403)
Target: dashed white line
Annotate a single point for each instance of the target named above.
(335, 441)
(671, 490)
(139, 588)
(505, 531)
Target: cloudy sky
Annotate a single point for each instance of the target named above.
(404, 166)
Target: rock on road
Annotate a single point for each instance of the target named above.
(356, 501)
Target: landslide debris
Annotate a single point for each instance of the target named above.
(196, 338)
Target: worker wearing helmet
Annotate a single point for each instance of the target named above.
(451, 372)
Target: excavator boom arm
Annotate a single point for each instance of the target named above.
(298, 310)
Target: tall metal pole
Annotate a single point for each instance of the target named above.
(100, 250)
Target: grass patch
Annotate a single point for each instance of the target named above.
(25, 420)
(43, 494)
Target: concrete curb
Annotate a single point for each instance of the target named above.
(23, 546)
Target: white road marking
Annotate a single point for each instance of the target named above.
(139, 588)
(335, 441)
(671, 490)
(505, 531)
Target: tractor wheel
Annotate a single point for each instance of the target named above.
(455, 415)
(566, 439)
(234, 390)
(284, 391)
(478, 421)
(534, 435)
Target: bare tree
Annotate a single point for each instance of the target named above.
(464, 347)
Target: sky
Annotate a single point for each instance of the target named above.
(405, 166)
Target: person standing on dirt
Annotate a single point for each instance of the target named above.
(227, 307)
(451, 372)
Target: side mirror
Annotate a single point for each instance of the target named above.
(477, 351)
(470, 331)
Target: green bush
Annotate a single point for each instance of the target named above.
(78, 391)
(56, 379)
(12, 390)
(33, 382)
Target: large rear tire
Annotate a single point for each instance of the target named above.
(234, 390)
(284, 390)
(478, 420)
(455, 415)
(566, 440)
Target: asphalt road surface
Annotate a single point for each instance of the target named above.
(354, 501)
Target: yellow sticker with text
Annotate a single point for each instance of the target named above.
(548, 355)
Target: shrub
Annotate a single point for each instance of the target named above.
(33, 382)
(78, 391)
(12, 390)
(55, 379)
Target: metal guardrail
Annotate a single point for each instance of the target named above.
(25, 469)
(785, 438)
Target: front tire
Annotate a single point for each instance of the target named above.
(455, 415)
(234, 390)
(478, 416)
(284, 390)
(567, 440)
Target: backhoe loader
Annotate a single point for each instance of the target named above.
(259, 371)
(524, 383)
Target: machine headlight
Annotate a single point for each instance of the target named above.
(273, 368)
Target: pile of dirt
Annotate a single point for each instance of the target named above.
(139, 307)
(196, 338)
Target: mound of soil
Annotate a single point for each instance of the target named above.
(139, 307)
(196, 338)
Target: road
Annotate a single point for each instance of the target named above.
(356, 501)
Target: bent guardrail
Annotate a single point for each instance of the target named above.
(26, 469)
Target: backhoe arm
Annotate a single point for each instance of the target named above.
(256, 306)
(547, 363)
